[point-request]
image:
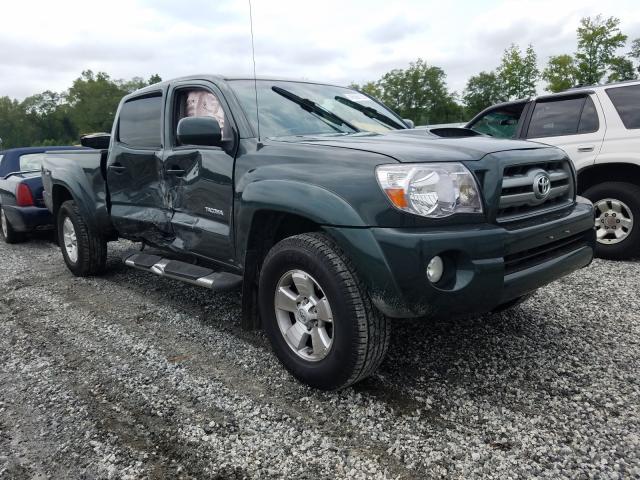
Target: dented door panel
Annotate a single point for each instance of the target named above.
(201, 199)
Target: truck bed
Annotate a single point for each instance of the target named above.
(87, 170)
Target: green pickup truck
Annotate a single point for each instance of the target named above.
(323, 207)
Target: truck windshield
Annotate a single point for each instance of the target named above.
(297, 108)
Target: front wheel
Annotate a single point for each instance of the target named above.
(317, 314)
(617, 210)
(84, 251)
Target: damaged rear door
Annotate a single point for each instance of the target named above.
(135, 172)
(200, 178)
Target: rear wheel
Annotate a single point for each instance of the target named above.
(617, 211)
(84, 251)
(9, 235)
(317, 314)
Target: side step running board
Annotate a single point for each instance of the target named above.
(185, 272)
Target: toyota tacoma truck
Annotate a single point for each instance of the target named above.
(321, 205)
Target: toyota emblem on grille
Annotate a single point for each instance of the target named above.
(541, 185)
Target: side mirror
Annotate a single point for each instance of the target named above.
(99, 141)
(199, 131)
(410, 123)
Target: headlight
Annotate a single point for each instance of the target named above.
(433, 190)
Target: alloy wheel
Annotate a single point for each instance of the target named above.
(70, 240)
(614, 221)
(304, 315)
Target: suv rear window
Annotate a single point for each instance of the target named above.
(140, 122)
(627, 103)
(569, 116)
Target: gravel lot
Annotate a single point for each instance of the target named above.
(132, 376)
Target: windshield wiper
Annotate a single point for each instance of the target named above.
(312, 107)
(370, 112)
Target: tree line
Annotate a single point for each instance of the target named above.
(51, 118)
(418, 92)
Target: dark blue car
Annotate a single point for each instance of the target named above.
(22, 208)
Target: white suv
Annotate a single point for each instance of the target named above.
(599, 128)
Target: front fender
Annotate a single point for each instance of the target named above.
(312, 202)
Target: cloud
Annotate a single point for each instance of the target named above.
(394, 29)
(46, 45)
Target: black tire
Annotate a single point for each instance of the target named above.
(91, 247)
(360, 331)
(629, 194)
(10, 235)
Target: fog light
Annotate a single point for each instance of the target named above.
(435, 269)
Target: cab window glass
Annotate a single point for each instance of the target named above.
(501, 123)
(627, 103)
(141, 122)
(31, 161)
(559, 117)
(198, 102)
(589, 119)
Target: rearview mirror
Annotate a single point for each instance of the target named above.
(410, 123)
(199, 131)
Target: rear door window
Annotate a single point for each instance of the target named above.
(555, 118)
(627, 103)
(140, 122)
(31, 161)
(589, 121)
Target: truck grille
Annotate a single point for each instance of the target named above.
(535, 188)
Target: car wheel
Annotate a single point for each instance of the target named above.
(84, 251)
(617, 211)
(318, 317)
(9, 235)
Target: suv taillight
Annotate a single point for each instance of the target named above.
(24, 197)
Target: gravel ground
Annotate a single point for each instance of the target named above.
(133, 376)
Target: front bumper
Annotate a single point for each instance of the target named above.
(28, 219)
(486, 265)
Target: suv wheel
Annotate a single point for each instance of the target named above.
(9, 235)
(317, 314)
(84, 251)
(617, 211)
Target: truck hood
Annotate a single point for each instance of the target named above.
(412, 146)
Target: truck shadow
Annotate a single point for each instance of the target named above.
(534, 350)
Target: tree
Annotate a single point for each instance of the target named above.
(598, 40)
(518, 72)
(93, 100)
(635, 52)
(561, 73)
(370, 88)
(620, 69)
(155, 78)
(418, 92)
(15, 128)
(482, 91)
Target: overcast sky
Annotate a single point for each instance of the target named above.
(46, 44)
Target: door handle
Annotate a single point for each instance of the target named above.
(586, 148)
(116, 167)
(178, 172)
